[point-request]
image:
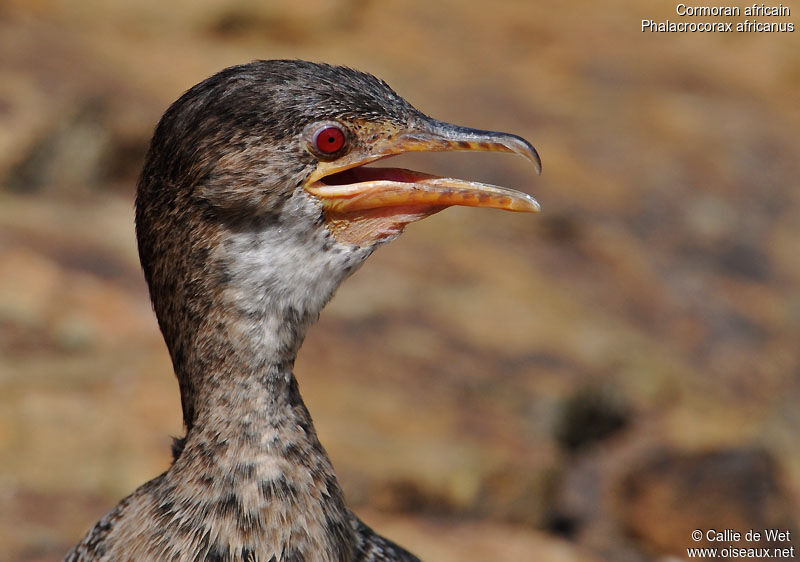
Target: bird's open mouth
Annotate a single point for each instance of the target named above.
(364, 203)
(363, 188)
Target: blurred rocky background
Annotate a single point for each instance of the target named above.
(592, 383)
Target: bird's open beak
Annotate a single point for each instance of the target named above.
(365, 203)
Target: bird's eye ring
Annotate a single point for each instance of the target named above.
(328, 140)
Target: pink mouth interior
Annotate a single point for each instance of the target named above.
(363, 174)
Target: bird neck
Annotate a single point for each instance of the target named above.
(234, 309)
(257, 430)
(235, 294)
(244, 322)
(240, 368)
(253, 468)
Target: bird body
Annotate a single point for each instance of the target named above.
(251, 209)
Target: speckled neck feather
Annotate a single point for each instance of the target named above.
(239, 264)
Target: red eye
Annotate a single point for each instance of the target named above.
(329, 140)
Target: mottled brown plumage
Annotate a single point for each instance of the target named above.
(243, 237)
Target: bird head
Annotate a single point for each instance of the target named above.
(256, 188)
(249, 139)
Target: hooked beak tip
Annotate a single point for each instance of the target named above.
(463, 138)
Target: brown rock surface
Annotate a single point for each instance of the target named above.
(488, 382)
